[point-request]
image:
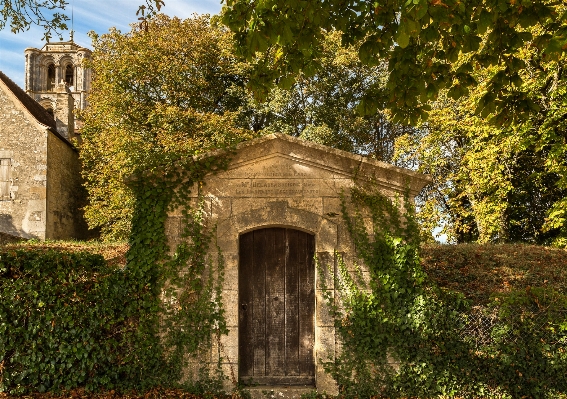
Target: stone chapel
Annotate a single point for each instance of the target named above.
(40, 177)
(276, 207)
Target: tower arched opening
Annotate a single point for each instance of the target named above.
(69, 75)
(50, 77)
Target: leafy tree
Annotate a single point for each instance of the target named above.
(177, 88)
(421, 39)
(19, 15)
(161, 92)
(496, 183)
(322, 107)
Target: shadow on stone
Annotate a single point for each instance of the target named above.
(8, 232)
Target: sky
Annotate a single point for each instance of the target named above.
(95, 15)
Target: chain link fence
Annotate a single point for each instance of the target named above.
(484, 327)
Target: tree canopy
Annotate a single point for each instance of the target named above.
(161, 92)
(322, 107)
(491, 182)
(20, 15)
(421, 39)
(172, 89)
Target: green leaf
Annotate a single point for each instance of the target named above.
(403, 39)
(484, 21)
(421, 11)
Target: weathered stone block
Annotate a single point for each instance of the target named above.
(325, 270)
(325, 347)
(323, 316)
(230, 306)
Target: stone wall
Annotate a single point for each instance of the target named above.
(45, 191)
(24, 142)
(65, 194)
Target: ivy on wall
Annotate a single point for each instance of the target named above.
(403, 337)
(186, 308)
(69, 320)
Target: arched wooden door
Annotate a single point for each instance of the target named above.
(276, 307)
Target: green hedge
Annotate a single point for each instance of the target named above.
(69, 320)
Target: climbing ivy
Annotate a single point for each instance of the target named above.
(401, 335)
(186, 308)
(70, 320)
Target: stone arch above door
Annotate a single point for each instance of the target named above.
(276, 214)
(279, 214)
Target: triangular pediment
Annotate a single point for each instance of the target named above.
(282, 166)
(279, 156)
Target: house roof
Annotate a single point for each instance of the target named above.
(33, 107)
(39, 113)
(359, 167)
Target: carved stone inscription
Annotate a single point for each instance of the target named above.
(276, 167)
(277, 177)
(270, 187)
(290, 170)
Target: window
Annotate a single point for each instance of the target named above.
(50, 77)
(4, 179)
(69, 72)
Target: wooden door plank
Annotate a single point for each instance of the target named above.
(245, 306)
(292, 304)
(258, 278)
(306, 251)
(280, 380)
(275, 304)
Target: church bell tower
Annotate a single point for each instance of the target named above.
(56, 77)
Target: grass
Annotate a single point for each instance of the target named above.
(480, 271)
(114, 252)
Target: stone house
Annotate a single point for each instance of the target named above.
(40, 180)
(276, 207)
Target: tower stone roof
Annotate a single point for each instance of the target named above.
(64, 46)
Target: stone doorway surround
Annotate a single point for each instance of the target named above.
(281, 181)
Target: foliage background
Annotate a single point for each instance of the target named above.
(179, 90)
(498, 175)
(158, 95)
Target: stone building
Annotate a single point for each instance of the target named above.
(40, 180)
(277, 206)
(48, 71)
